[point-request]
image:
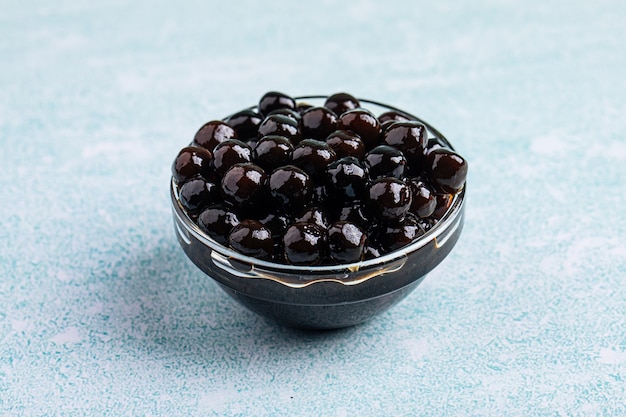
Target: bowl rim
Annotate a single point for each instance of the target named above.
(446, 221)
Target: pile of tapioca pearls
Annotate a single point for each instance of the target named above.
(316, 185)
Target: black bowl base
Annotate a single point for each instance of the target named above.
(323, 317)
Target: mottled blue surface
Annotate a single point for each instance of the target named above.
(101, 313)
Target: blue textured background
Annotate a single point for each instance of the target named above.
(102, 314)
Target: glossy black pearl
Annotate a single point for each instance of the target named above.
(354, 213)
(243, 184)
(397, 234)
(279, 253)
(290, 187)
(277, 223)
(427, 223)
(246, 123)
(444, 201)
(229, 153)
(217, 221)
(393, 116)
(388, 198)
(319, 194)
(447, 170)
(423, 198)
(385, 161)
(318, 123)
(287, 112)
(251, 238)
(346, 178)
(280, 125)
(346, 242)
(313, 156)
(315, 215)
(275, 100)
(301, 107)
(363, 123)
(383, 128)
(408, 137)
(303, 244)
(197, 193)
(346, 143)
(272, 152)
(213, 133)
(190, 162)
(341, 102)
(371, 251)
(434, 143)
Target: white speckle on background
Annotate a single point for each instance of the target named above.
(618, 251)
(19, 325)
(615, 150)
(131, 82)
(112, 149)
(67, 337)
(611, 356)
(131, 310)
(579, 253)
(342, 412)
(97, 308)
(416, 348)
(550, 144)
(63, 275)
(216, 400)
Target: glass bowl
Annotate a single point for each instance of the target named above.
(323, 297)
